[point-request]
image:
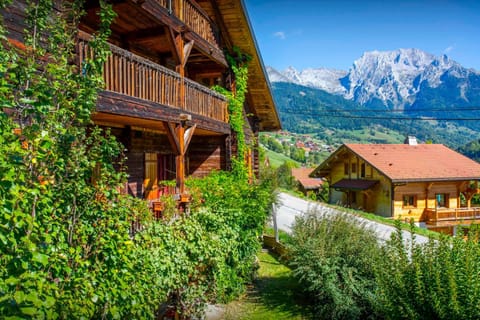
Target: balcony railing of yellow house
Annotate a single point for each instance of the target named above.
(452, 214)
(194, 17)
(132, 75)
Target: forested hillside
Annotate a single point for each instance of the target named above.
(335, 119)
(471, 150)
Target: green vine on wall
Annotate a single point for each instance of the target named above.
(238, 62)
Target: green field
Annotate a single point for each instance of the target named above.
(373, 135)
(277, 159)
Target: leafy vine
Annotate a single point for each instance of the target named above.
(236, 99)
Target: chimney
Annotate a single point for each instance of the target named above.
(411, 140)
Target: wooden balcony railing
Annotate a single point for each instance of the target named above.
(132, 75)
(194, 17)
(452, 214)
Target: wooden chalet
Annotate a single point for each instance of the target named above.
(166, 55)
(427, 182)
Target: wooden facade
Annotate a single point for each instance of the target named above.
(166, 55)
(362, 178)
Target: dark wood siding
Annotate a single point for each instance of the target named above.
(14, 20)
(206, 154)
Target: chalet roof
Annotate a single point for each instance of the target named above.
(403, 162)
(302, 175)
(240, 32)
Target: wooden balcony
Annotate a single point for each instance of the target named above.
(452, 214)
(132, 75)
(194, 18)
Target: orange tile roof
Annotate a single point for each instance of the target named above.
(422, 162)
(301, 173)
(303, 176)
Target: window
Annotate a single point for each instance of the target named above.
(354, 168)
(370, 172)
(362, 170)
(345, 168)
(442, 200)
(409, 201)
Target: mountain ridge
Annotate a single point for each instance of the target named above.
(392, 79)
(335, 120)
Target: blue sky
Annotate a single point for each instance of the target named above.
(334, 33)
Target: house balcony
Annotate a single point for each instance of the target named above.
(128, 74)
(452, 214)
(194, 17)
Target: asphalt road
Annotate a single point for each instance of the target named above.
(290, 207)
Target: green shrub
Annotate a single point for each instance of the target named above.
(240, 210)
(333, 256)
(438, 280)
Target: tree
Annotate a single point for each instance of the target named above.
(298, 154)
(284, 176)
(275, 145)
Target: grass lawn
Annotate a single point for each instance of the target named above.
(273, 296)
(277, 159)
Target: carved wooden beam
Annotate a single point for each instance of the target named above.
(188, 136)
(172, 39)
(172, 136)
(187, 48)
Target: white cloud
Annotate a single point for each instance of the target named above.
(280, 34)
(448, 49)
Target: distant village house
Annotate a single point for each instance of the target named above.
(306, 184)
(425, 182)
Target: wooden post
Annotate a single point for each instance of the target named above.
(181, 70)
(179, 9)
(180, 158)
(275, 224)
(180, 136)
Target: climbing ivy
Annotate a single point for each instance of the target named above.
(238, 62)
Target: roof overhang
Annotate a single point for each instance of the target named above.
(452, 179)
(238, 29)
(326, 166)
(354, 184)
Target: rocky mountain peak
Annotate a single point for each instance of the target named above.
(394, 78)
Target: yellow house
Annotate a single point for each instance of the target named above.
(426, 182)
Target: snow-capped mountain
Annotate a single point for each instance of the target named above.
(322, 78)
(393, 78)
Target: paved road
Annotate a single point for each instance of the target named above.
(290, 207)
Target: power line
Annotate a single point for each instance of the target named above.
(402, 111)
(345, 116)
